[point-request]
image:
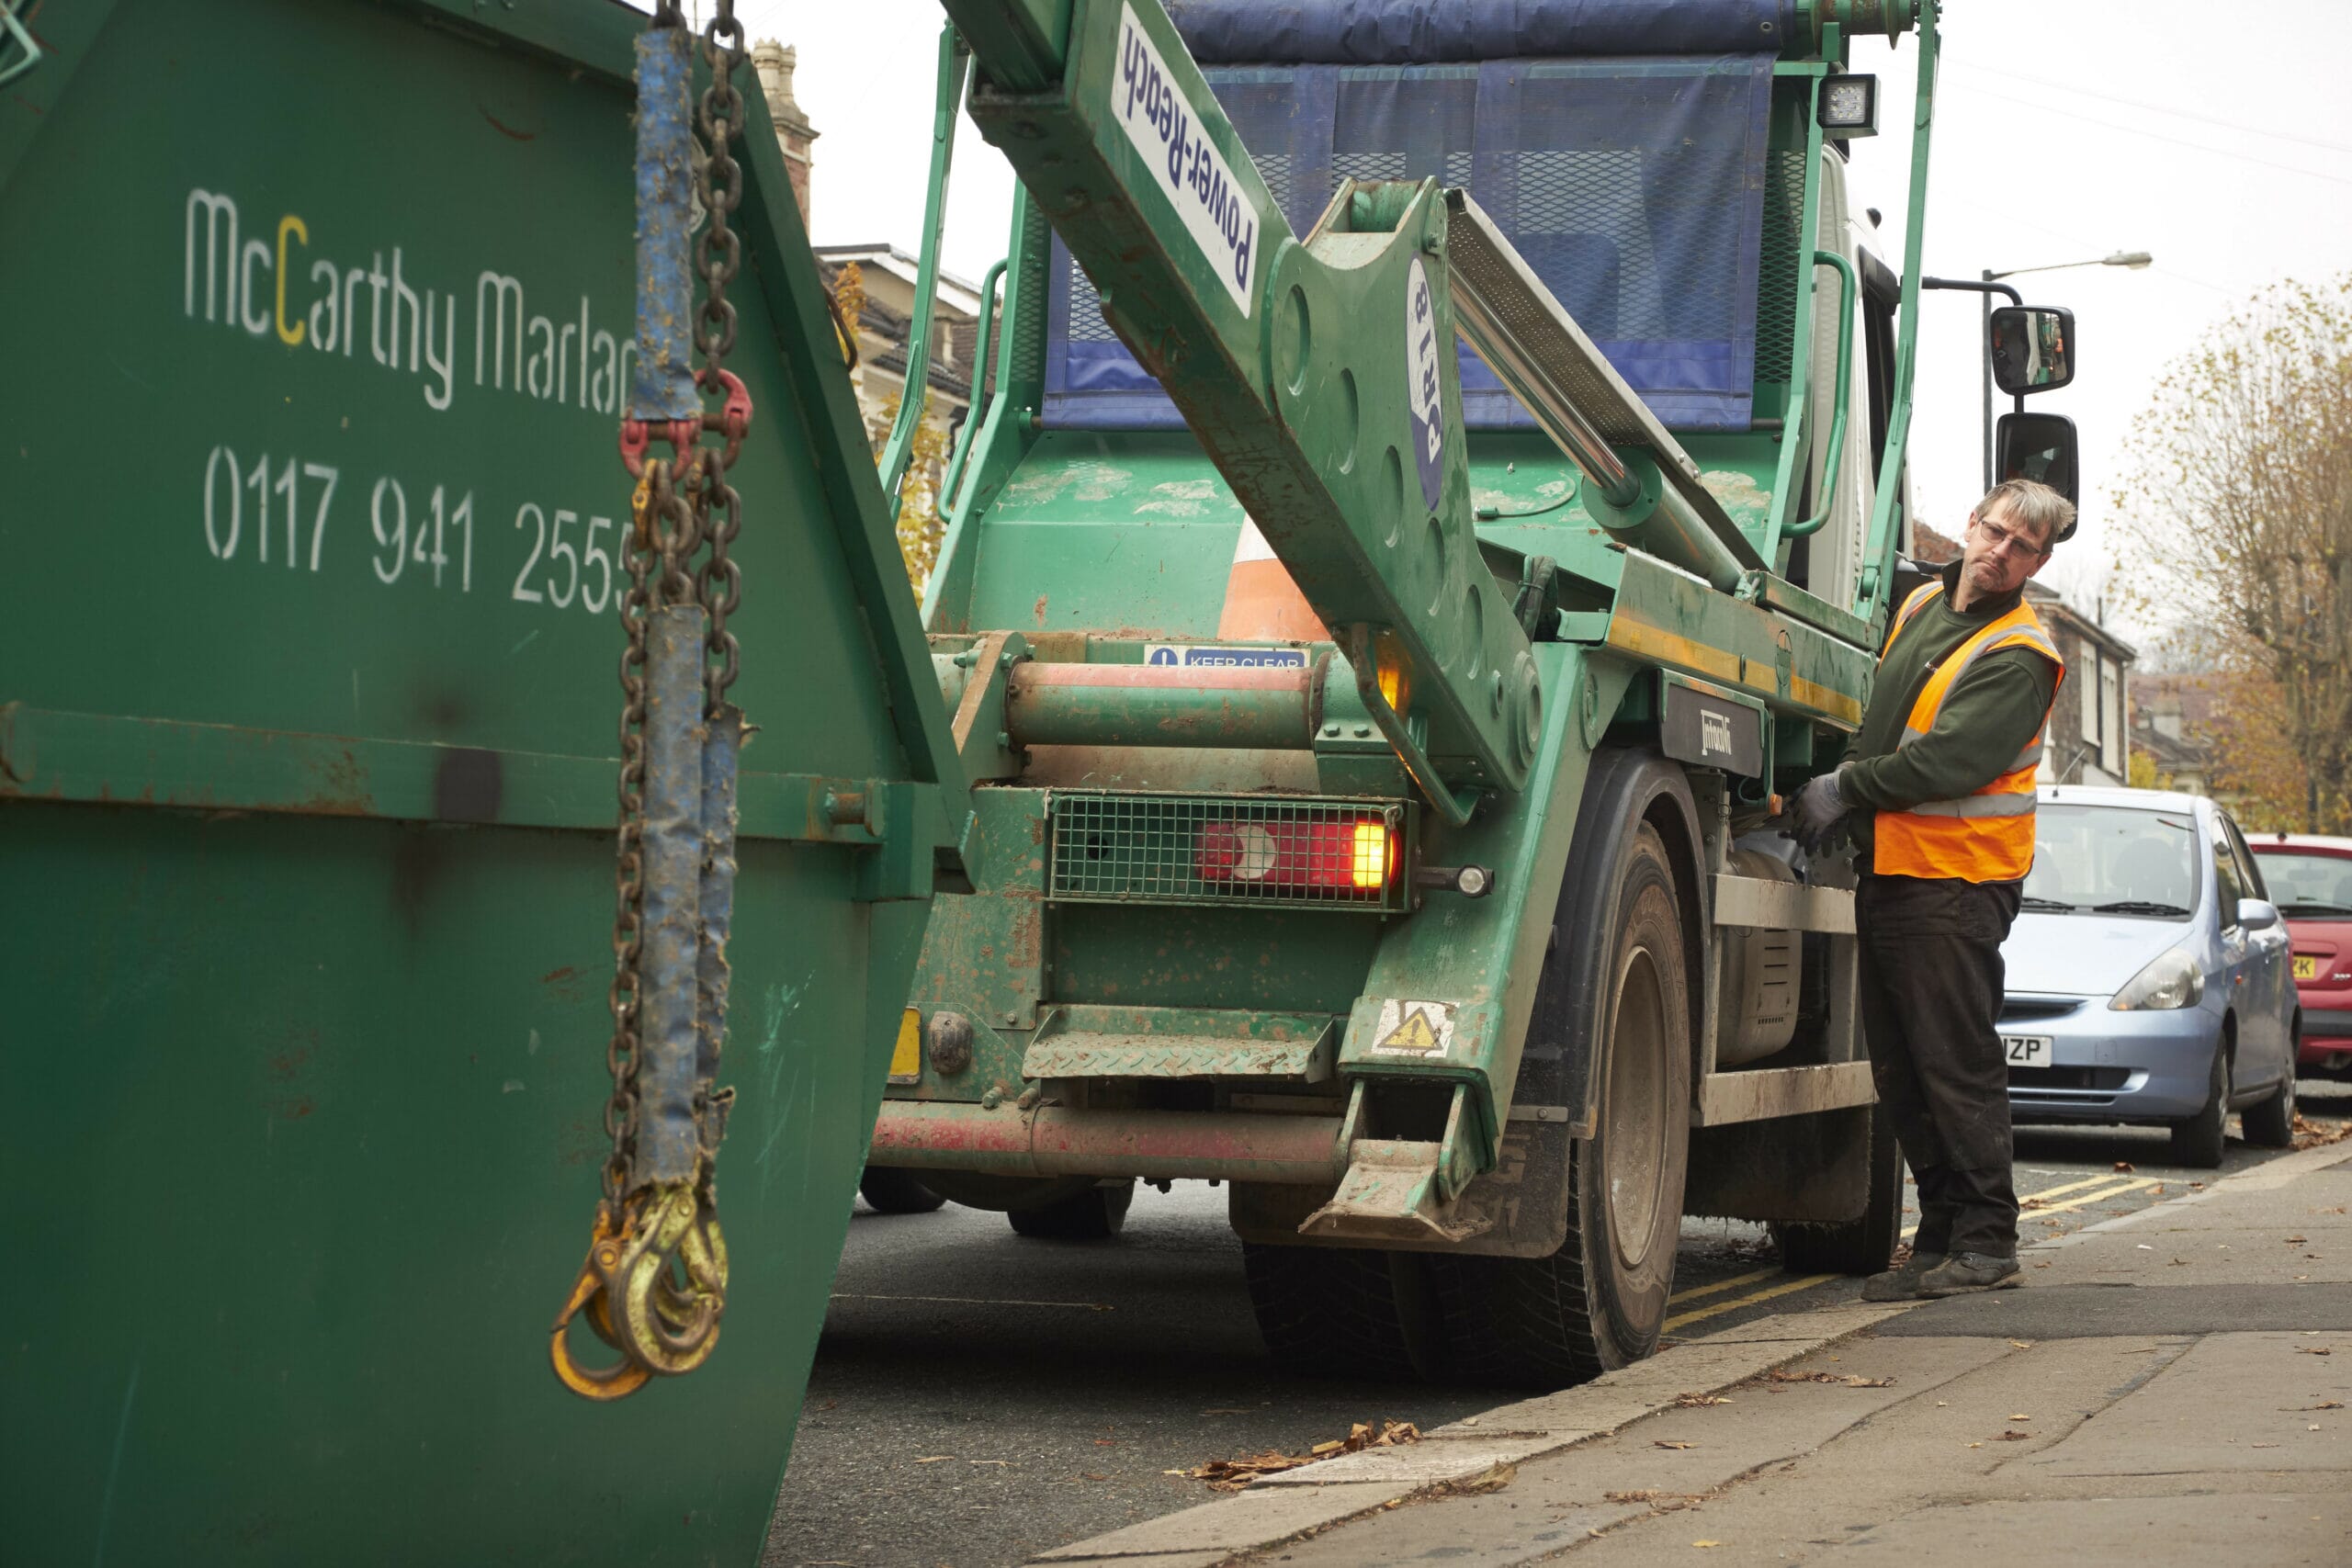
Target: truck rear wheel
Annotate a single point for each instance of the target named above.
(1096, 1211)
(895, 1192)
(1599, 1302)
(1343, 1311)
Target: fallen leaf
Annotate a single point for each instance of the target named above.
(2035, 1203)
(1650, 1495)
(2124, 1166)
(2263, 1445)
(2021, 1344)
(2042, 1265)
(2313, 1350)
(2157, 1191)
(1470, 1420)
(2013, 1437)
(1494, 1478)
(1975, 1445)
(1702, 1545)
(1669, 1443)
(934, 1458)
(2014, 1416)
(1233, 1474)
(1106, 1442)
(2177, 1263)
(2297, 1240)
(1692, 1400)
(1093, 1475)
(2323, 1405)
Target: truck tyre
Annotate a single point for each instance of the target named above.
(1599, 1302)
(1343, 1311)
(2200, 1141)
(1865, 1243)
(1094, 1212)
(894, 1191)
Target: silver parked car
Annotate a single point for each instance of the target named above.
(2148, 978)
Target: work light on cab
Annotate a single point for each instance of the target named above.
(1348, 856)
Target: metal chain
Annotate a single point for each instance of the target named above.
(681, 502)
(628, 879)
(718, 258)
(673, 511)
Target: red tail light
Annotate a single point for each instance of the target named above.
(1352, 856)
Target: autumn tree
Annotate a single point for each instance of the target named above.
(921, 527)
(2236, 521)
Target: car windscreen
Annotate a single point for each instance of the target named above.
(2113, 860)
(2308, 885)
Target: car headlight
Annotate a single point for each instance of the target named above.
(2174, 980)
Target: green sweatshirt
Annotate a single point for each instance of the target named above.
(1990, 715)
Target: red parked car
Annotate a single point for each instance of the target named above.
(2310, 879)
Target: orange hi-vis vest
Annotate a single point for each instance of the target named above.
(1987, 836)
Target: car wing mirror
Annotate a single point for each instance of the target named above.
(2032, 348)
(2038, 447)
(2257, 914)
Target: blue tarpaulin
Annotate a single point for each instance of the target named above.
(1633, 185)
(1427, 32)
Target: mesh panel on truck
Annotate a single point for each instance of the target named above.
(1635, 187)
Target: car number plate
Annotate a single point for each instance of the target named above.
(2027, 1050)
(2306, 967)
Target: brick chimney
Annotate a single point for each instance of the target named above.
(775, 63)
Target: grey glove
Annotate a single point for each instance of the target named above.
(1819, 808)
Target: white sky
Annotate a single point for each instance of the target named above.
(2066, 130)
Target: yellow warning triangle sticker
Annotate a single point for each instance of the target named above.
(1413, 1033)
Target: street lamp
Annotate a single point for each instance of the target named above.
(1991, 285)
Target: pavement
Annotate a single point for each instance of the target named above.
(2171, 1386)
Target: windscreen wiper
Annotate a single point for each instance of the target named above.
(2045, 905)
(2315, 910)
(2136, 906)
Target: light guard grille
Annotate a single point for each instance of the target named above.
(1222, 850)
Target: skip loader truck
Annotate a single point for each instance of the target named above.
(1441, 485)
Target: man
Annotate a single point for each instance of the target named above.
(1940, 788)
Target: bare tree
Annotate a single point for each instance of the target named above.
(2237, 526)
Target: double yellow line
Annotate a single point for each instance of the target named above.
(2107, 1185)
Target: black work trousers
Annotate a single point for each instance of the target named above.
(1932, 981)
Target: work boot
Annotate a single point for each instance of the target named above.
(1967, 1272)
(1900, 1284)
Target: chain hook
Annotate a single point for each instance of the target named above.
(623, 1378)
(662, 1325)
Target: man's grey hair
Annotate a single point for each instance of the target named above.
(2034, 505)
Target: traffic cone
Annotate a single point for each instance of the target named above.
(1262, 603)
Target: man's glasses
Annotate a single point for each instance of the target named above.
(2003, 538)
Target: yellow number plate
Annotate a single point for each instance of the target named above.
(906, 1056)
(2306, 967)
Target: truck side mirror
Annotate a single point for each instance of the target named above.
(2037, 447)
(2033, 347)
